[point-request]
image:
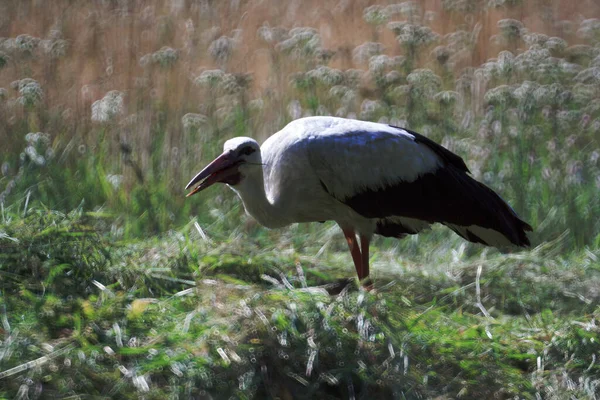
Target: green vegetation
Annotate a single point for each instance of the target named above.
(113, 285)
(175, 315)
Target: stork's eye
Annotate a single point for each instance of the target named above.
(247, 151)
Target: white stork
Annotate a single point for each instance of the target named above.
(370, 178)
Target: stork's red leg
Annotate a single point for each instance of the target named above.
(364, 249)
(354, 250)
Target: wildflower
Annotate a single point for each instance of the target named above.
(114, 180)
(272, 35)
(424, 78)
(322, 110)
(256, 104)
(375, 15)
(566, 119)
(534, 38)
(568, 68)
(501, 95)
(579, 52)
(593, 106)
(221, 49)
(447, 97)
(409, 9)
(441, 54)
(370, 108)
(111, 105)
(26, 43)
(36, 138)
(230, 84)
(378, 64)
(362, 53)
(301, 43)
(193, 121)
(338, 91)
(353, 77)
(548, 94)
(392, 77)
(413, 35)
(532, 58)
(30, 91)
(589, 75)
(210, 78)
(54, 46)
(525, 94)
(589, 28)
(556, 44)
(511, 29)
(165, 57)
(326, 76)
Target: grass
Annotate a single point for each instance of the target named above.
(112, 285)
(85, 313)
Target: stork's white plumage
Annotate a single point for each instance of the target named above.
(370, 178)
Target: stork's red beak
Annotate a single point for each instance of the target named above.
(222, 169)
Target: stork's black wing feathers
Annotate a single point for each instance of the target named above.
(445, 154)
(447, 195)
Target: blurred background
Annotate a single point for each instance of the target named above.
(108, 108)
(117, 104)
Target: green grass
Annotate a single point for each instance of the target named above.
(85, 313)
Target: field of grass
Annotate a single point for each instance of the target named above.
(113, 285)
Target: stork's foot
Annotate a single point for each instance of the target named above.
(337, 287)
(348, 285)
(367, 284)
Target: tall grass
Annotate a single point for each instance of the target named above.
(115, 106)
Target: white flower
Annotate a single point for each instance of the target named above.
(326, 76)
(221, 49)
(210, 78)
(501, 95)
(534, 38)
(30, 91)
(446, 97)
(412, 34)
(272, 35)
(589, 28)
(111, 105)
(193, 121)
(510, 28)
(589, 75)
(424, 78)
(362, 53)
(26, 43)
(370, 108)
(375, 15)
(556, 44)
(165, 57)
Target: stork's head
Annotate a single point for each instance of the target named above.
(240, 156)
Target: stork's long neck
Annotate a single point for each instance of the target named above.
(256, 202)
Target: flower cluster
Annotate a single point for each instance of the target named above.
(109, 107)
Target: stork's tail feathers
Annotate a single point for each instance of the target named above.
(495, 223)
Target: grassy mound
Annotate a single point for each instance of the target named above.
(176, 316)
